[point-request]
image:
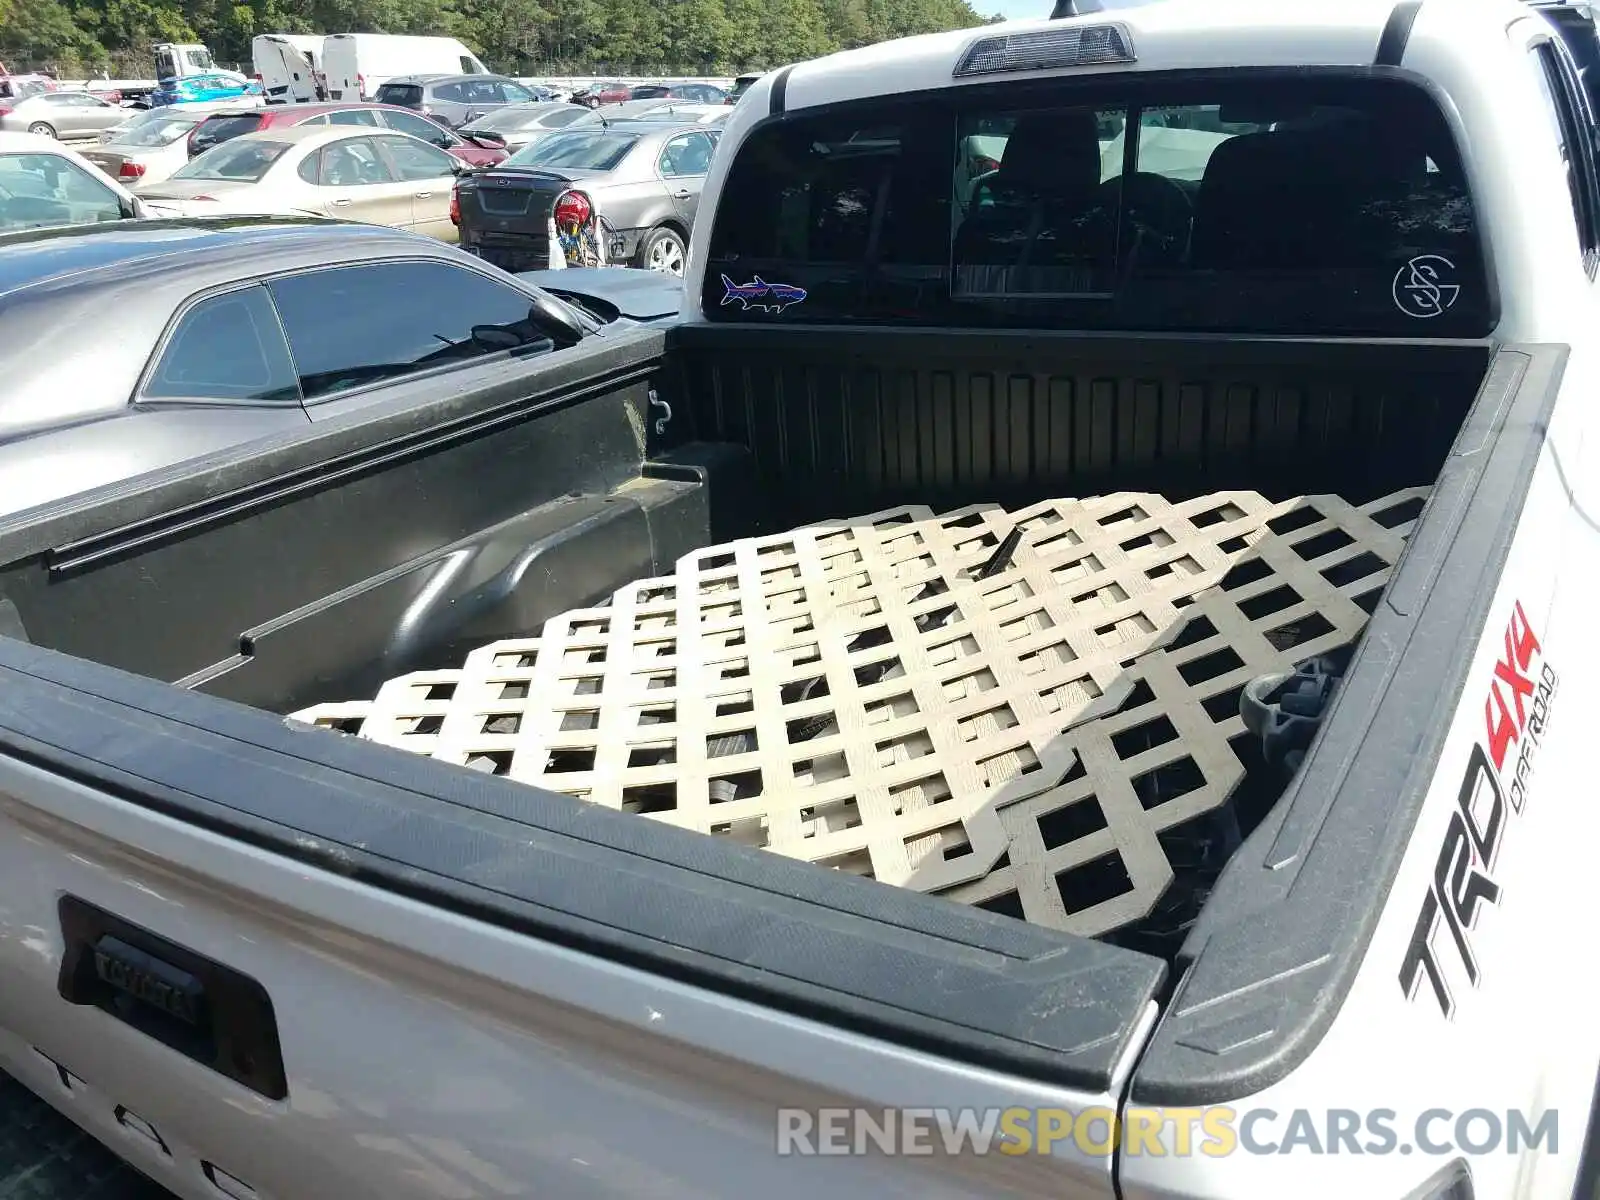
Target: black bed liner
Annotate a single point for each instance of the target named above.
(857, 419)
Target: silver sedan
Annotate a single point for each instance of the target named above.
(68, 116)
(523, 124)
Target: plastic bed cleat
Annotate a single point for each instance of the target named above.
(1284, 709)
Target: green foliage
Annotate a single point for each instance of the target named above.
(525, 37)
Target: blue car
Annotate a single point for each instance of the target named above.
(221, 85)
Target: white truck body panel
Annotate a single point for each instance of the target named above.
(288, 64)
(502, 1041)
(357, 64)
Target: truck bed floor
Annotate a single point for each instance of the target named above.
(1036, 711)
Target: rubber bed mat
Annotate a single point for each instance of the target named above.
(44, 1156)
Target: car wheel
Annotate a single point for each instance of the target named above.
(663, 251)
(42, 129)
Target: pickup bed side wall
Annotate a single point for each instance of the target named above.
(289, 575)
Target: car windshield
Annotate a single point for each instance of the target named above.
(512, 118)
(239, 161)
(40, 190)
(589, 150)
(159, 131)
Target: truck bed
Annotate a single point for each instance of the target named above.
(315, 568)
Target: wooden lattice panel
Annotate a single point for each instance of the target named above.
(931, 699)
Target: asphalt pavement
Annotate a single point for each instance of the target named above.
(44, 1156)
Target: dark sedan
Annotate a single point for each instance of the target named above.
(209, 333)
(638, 181)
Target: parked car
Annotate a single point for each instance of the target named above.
(44, 183)
(546, 91)
(645, 179)
(69, 116)
(654, 111)
(632, 110)
(481, 150)
(377, 176)
(698, 93)
(147, 150)
(454, 100)
(199, 363)
(217, 85)
(597, 94)
(523, 124)
(20, 87)
(742, 85)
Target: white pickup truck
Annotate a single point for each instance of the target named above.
(1323, 274)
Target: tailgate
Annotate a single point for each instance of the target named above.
(254, 956)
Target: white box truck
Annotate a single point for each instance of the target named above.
(289, 66)
(355, 64)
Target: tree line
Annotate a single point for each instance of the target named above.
(76, 38)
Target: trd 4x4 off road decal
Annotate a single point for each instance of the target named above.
(1492, 796)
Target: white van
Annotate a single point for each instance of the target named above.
(289, 66)
(355, 64)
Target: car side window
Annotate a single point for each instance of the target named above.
(310, 168)
(687, 154)
(317, 120)
(514, 93)
(41, 189)
(414, 161)
(227, 347)
(420, 127)
(354, 162)
(353, 326)
(452, 93)
(353, 116)
(1570, 122)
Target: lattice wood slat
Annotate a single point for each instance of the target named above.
(864, 695)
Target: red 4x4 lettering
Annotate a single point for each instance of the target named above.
(1511, 678)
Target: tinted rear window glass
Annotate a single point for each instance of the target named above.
(406, 95)
(582, 151)
(214, 130)
(229, 347)
(236, 162)
(1239, 204)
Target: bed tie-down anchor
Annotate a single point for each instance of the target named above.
(1285, 709)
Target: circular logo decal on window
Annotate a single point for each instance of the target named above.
(1426, 286)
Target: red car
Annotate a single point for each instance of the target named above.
(479, 149)
(597, 94)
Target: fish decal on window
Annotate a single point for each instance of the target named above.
(758, 293)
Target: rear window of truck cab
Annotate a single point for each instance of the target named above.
(1319, 203)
